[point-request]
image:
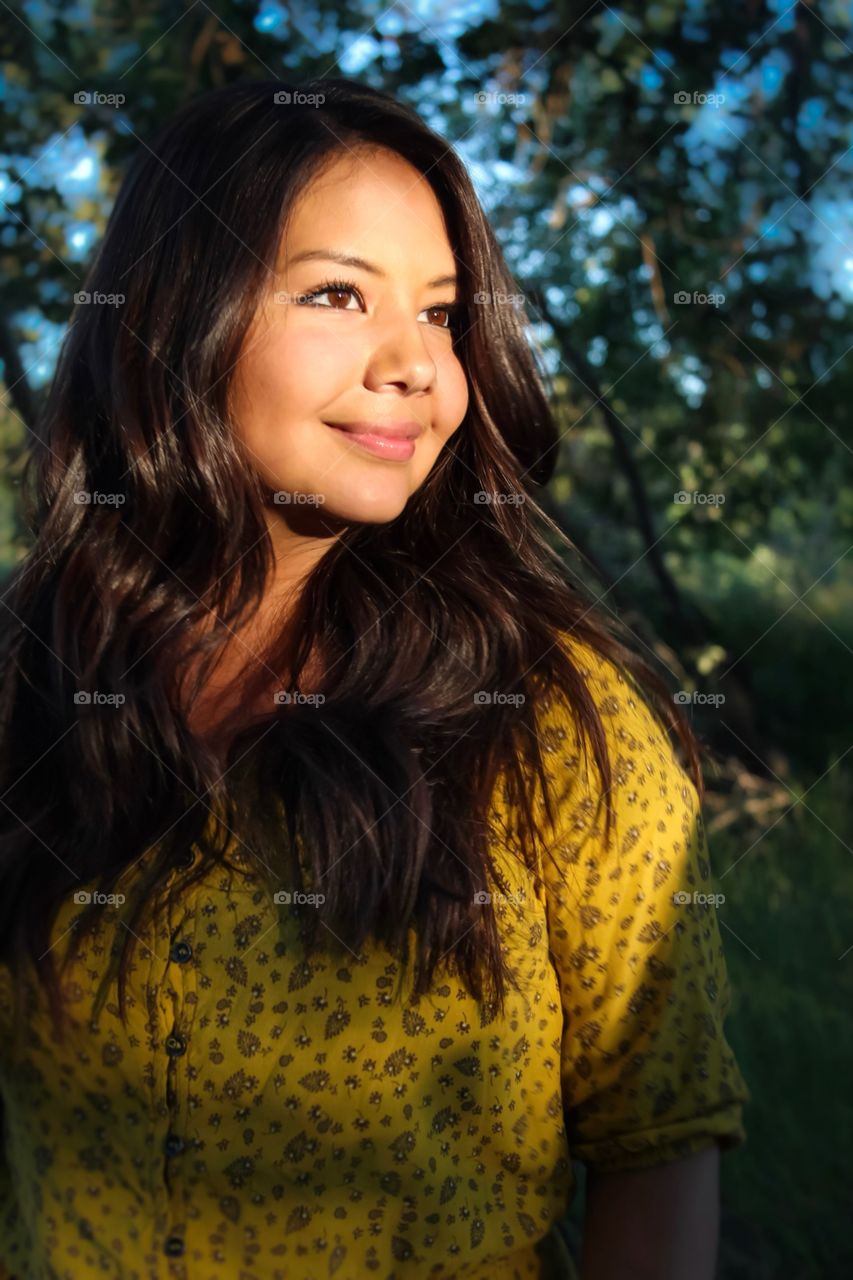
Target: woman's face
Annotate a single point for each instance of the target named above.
(374, 351)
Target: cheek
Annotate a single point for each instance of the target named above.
(454, 396)
(295, 372)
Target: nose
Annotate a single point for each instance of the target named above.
(399, 357)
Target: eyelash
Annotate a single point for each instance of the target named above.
(454, 309)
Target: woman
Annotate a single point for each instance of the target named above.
(351, 884)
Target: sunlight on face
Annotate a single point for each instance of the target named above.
(376, 349)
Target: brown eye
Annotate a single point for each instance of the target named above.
(442, 311)
(337, 293)
(450, 310)
(331, 289)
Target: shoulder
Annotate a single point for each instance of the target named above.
(648, 1074)
(647, 778)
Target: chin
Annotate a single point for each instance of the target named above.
(377, 510)
(368, 498)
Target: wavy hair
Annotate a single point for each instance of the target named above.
(398, 767)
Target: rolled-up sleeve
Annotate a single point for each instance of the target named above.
(647, 1073)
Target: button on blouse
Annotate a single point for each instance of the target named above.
(181, 952)
(175, 1045)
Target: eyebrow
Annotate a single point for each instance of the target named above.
(348, 260)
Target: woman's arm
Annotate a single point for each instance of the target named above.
(653, 1224)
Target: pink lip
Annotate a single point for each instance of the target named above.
(388, 430)
(393, 440)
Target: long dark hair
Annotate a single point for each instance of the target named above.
(398, 767)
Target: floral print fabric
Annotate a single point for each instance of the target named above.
(271, 1116)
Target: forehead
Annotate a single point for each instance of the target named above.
(374, 205)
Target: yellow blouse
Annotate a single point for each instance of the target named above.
(275, 1118)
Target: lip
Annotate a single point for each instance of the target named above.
(392, 440)
(388, 430)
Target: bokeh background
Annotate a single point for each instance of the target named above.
(671, 184)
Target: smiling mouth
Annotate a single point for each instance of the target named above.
(395, 442)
